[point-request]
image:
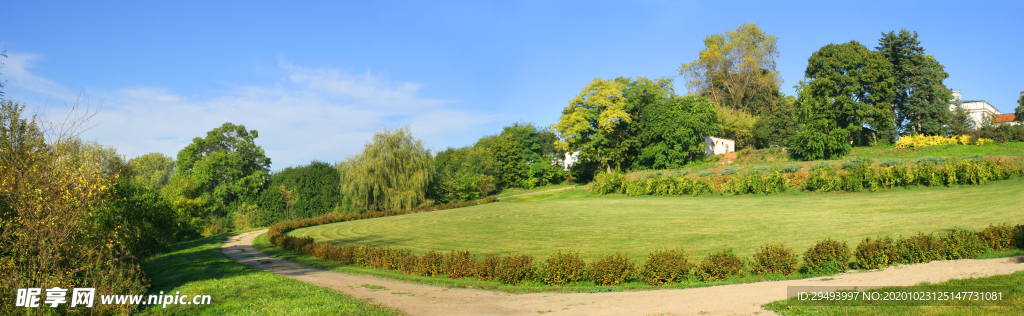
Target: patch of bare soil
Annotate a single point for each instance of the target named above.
(736, 299)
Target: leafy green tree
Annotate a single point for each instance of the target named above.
(596, 124)
(394, 171)
(922, 100)
(152, 170)
(672, 130)
(736, 69)
(220, 172)
(960, 120)
(737, 125)
(315, 190)
(777, 125)
(852, 88)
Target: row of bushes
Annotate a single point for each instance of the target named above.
(852, 175)
(667, 266)
(917, 141)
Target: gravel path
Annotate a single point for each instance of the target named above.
(736, 299)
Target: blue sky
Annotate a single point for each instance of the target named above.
(316, 79)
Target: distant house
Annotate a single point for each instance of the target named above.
(570, 159)
(717, 146)
(1005, 119)
(977, 109)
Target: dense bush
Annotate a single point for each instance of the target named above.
(774, 258)
(827, 256)
(515, 268)
(791, 168)
(409, 263)
(918, 249)
(998, 237)
(666, 266)
(612, 269)
(606, 183)
(308, 191)
(960, 244)
(431, 263)
(486, 269)
(876, 253)
(459, 264)
(563, 268)
(1001, 133)
(720, 265)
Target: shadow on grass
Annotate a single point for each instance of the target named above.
(190, 261)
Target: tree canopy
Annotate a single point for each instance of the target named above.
(921, 100)
(596, 123)
(152, 170)
(736, 69)
(394, 171)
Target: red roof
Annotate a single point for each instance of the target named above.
(1002, 118)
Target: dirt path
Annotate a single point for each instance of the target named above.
(538, 192)
(736, 299)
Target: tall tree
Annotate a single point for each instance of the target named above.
(922, 100)
(152, 170)
(736, 69)
(596, 124)
(394, 171)
(1019, 110)
(960, 121)
(850, 87)
(671, 132)
(224, 169)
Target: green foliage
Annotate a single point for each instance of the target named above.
(918, 249)
(774, 258)
(921, 101)
(998, 237)
(960, 244)
(515, 268)
(1001, 133)
(393, 172)
(777, 125)
(791, 168)
(827, 257)
(959, 120)
(720, 265)
(486, 269)
(596, 122)
(308, 191)
(848, 86)
(1019, 110)
(667, 266)
(730, 171)
(671, 129)
(430, 263)
(563, 268)
(607, 183)
(152, 170)
(613, 269)
(136, 212)
(736, 69)
(818, 140)
(876, 253)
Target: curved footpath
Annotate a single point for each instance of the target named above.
(735, 299)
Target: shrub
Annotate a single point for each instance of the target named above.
(704, 173)
(761, 169)
(774, 258)
(827, 256)
(998, 237)
(458, 265)
(666, 266)
(729, 171)
(515, 268)
(960, 244)
(875, 254)
(409, 263)
(856, 163)
(720, 265)
(791, 168)
(486, 268)
(430, 264)
(612, 269)
(918, 249)
(892, 162)
(606, 183)
(563, 268)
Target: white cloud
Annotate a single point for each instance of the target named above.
(312, 113)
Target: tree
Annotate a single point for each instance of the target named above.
(737, 69)
(596, 124)
(672, 130)
(222, 170)
(922, 100)
(960, 121)
(152, 170)
(777, 125)
(851, 88)
(315, 190)
(394, 171)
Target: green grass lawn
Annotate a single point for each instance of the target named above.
(574, 220)
(199, 268)
(1014, 301)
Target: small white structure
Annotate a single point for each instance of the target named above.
(977, 109)
(570, 159)
(717, 146)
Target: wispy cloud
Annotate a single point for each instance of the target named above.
(311, 113)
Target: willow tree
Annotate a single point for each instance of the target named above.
(393, 172)
(736, 69)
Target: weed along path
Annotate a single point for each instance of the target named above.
(736, 299)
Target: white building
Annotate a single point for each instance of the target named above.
(717, 146)
(978, 109)
(570, 159)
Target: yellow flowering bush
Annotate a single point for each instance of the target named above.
(917, 141)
